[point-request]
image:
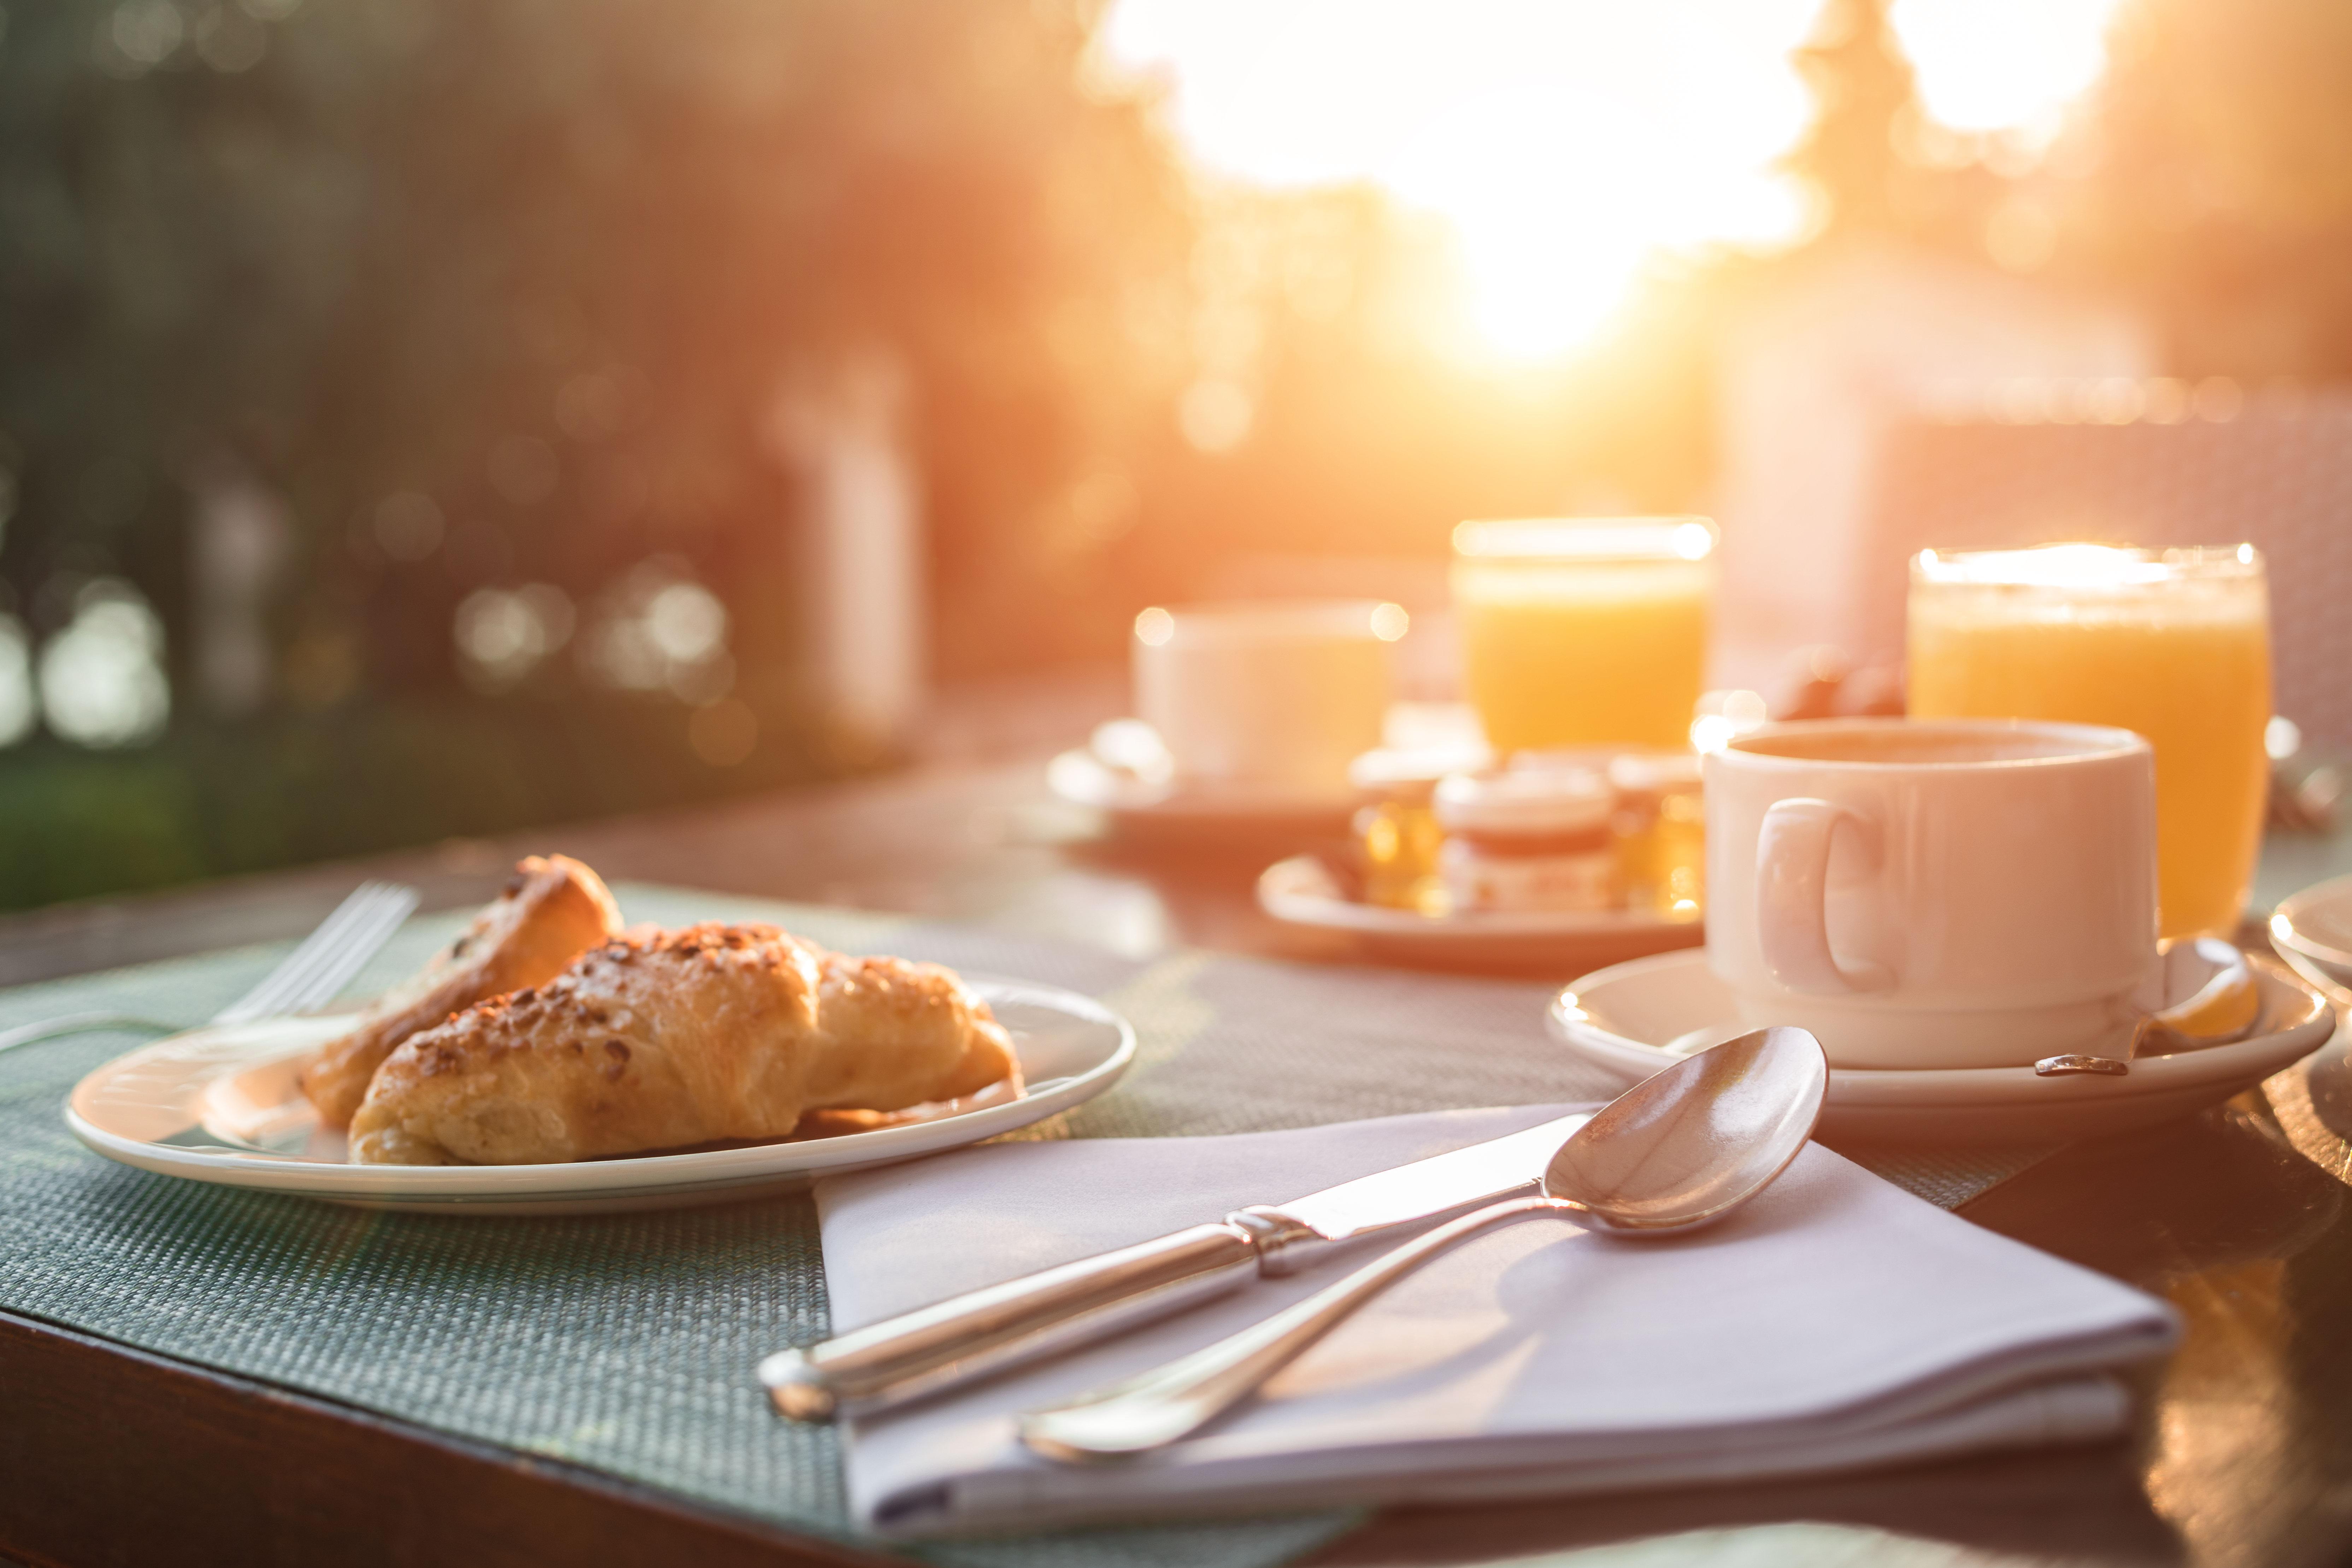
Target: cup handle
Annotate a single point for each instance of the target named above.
(1792, 875)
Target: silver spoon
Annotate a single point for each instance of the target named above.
(1678, 1150)
(2225, 1008)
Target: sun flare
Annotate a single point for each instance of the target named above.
(1564, 143)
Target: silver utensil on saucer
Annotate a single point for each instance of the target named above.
(309, 977)
(2226, 1007)
(1679, 1150)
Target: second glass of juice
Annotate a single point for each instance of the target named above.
(1580, 632)
(2173, 643)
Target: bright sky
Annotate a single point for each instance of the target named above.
(1566, 139)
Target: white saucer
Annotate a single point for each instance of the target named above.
(1301, 891)
(2313, 932)
(1082, 778)
(220, 1105)
(1637, 1017)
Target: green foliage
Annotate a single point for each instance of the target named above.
(211, 801)
(411, 231)
(562, 267)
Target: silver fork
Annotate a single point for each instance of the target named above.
(308, 977)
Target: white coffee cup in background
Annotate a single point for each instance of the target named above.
(1936, 894)
(1274, 696)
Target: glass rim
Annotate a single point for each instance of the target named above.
(1586, 540)
(2078, 566)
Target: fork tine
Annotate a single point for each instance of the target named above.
(293, 978)
(390, 913)
(386, 915)
(264, 997)
(334, 963)
(329, 955)
(257, 1001)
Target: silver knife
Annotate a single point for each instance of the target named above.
(985, 1330)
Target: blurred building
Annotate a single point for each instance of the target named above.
(862, 546)
(1838, 345)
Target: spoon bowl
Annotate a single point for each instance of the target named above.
(1681, 1149)
(1693, 1142)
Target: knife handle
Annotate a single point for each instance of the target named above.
(983, 1331)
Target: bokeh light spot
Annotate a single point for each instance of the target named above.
(723, 733)
(686, 622)
(524, 469)
(1693, 542)
(657, 628)
(1216, 415)
(600, 405)
(230, 41)
(102, 680)
(503, 635)
(408, 525)
(18, 707)
(147, 32)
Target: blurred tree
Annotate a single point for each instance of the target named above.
(1863, 95)
(1872, 161)
(505, 290)
(490, 306)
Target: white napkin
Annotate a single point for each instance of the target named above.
(1836, 1321)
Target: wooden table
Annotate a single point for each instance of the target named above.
(109, 1455)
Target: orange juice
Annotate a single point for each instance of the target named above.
(1584, 633)
(2173, 646)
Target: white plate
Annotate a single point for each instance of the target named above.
(1300, 891)
(2313, 932)
(220, 1105)
(1637, 1017)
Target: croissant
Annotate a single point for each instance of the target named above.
(662, 1039)
(553, 912)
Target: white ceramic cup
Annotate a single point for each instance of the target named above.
(1936, 894)
(1275, 697)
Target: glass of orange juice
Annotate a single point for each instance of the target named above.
(1584, 632)
(2173, 643)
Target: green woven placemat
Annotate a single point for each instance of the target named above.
(626, 1343)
